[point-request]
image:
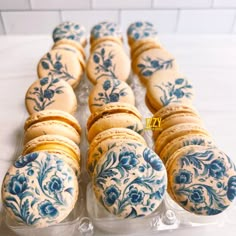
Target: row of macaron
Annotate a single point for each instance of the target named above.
(128, 178)
(201, 178)
(41, 188)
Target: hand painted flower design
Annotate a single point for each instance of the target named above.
(18, 184)
(135, 196)
(183, 177)
(43, 96)
(46, 209)
(104, 29)
(55, 67)
(128, 160)
(217, 169)
(55, 185)
(196, 196)
(104, 64)
(231, 192)
(24, 160)
(140, 30)
(150, 66)
(174, 92)
(111, 93)
(68, 30)
(151, 158)
(112, 193)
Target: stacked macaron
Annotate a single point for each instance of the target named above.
(201, 178)
(107, 56)
(41, 188)
(129, 179)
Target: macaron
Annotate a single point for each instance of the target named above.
(40, 189)
(57, 144)
(109, 91)
(179, 118)
(107, 139)
(185, 140)
(108, 61)
(114, 115)
(140, 30)
(72, 44)
(201, 179)
(176, 131)
(62, 64)
(130, 180)
(70, 30)
(52, 122)
(104, 29)
(50, 93)
(148, 62)
(168, 88)
(67, 47)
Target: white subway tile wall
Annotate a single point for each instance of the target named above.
(169, 16)
(30, 22)
(182, 3)
(60, 4)
(206, 21)
(122, 4)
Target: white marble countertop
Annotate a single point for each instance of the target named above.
(209, 61)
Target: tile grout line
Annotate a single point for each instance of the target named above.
(212, 4)
(177, 20)
(60, 16)
(30, 5)
(233, 23)
(90, 5)
(3, 23)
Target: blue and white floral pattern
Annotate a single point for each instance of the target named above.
(174, 92)
(53, 66)
(44, 94)
(149, 66)
(39, 189)
(204, 181)
(104, 64)
(104, 29)
(130, 180)
(69, 30)
(141, 30)
(112, 91)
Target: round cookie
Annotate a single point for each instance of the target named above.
(110, 91)
(108, 61)
(176, 131)
(62, 64)
(68, 47)
(107, 139)
(185, 140)
(202, 180)
(140, 30)
(167, 88)
(175, 119)
(136, 183)
(39, 189)
(52, 122)
(152, 61)
(104, 29)
(56, 144)
(71, 31)
(50, 93)
(114, 115)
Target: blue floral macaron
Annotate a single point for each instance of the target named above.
(39, 189)
(104, 29)
(202, 180)
(130, 180)
(70, 30)
(50, 93)
(141, 30)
